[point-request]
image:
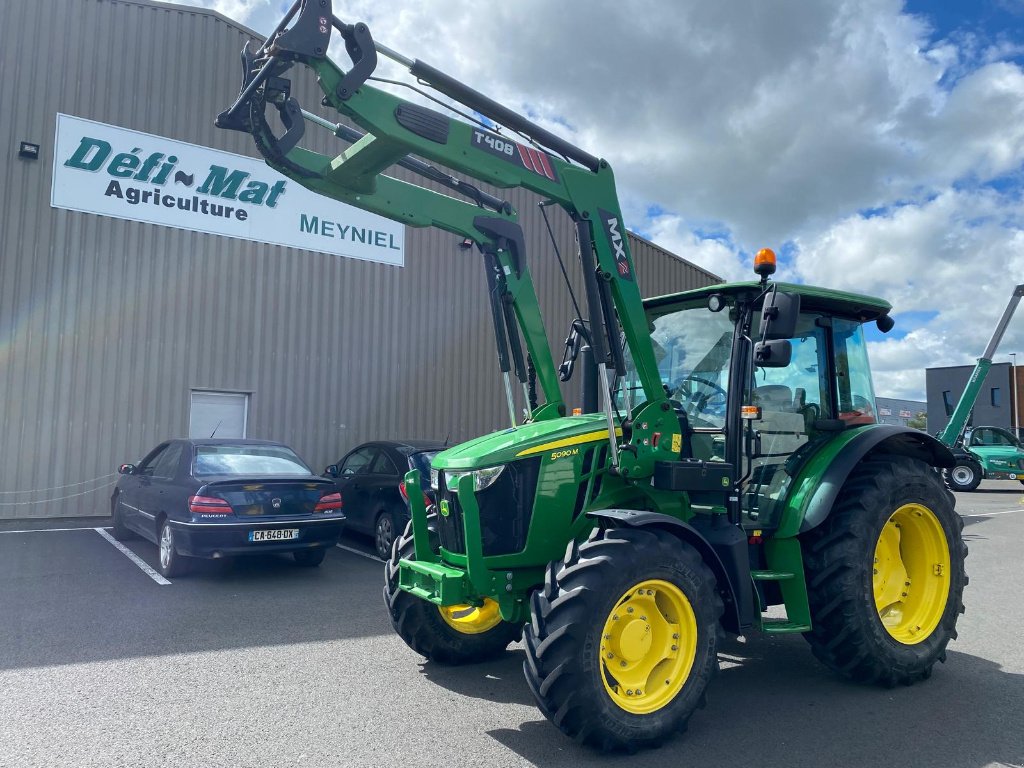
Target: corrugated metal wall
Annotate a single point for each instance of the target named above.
(106, 325)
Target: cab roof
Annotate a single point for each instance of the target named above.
(852, 305)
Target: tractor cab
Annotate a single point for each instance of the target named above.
(762, 375)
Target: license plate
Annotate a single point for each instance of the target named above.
(283, 534)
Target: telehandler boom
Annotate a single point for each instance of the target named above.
(736, 463)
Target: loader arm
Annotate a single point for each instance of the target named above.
(396, 132)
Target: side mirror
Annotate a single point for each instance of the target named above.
(126, 469)
(332, 470)
(779, 315)
(773, 354)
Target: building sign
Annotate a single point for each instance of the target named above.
(111, 171)
(884, 412)
(906, 415)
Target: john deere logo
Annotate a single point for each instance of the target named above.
(444, 507)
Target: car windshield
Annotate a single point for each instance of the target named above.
(421, 461)
(248, 460)
(692, 346)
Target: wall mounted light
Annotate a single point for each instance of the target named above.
(28, 150)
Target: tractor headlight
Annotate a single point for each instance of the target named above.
(482, 478)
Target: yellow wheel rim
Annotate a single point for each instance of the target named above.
(648, 645)
(911, 574)
(471, 619)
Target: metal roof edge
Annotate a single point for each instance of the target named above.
(197, 9)
(676, 256)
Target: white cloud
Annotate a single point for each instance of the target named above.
(957, 256)
(771, 123)
(718, 257)
(241, 11)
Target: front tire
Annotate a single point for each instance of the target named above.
(118, 529)
(965, 476)
(885, 574)
(623, 638)
(451, 635)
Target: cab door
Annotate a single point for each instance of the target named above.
(791, 400)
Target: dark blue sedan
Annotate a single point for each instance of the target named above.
(218, 498)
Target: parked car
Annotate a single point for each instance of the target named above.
(219, 497)
(370, 480)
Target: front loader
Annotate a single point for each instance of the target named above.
(735, 463)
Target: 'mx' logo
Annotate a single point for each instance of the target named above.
(615, 238)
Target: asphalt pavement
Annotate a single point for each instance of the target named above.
(259, 663)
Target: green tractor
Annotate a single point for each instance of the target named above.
(730, 462)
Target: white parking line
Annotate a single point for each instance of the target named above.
(133, 557)
(993, 514)
(47, 530)
(361, 554)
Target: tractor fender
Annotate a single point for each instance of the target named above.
(882, 438)
(721, 545)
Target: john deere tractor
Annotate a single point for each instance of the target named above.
(732, 461)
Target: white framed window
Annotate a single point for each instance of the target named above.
(218, 414)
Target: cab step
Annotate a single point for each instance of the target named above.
(771, 575)
(783, 627)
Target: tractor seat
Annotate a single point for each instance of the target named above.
(774, 397)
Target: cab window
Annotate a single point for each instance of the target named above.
(853, 374)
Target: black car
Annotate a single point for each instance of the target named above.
(219, 497)
(370, 480)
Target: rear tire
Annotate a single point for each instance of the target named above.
(622, 642)
(965, 476)
(169, 562)
(424, 628)
(885, 574)
(384, 534)
(309, 558)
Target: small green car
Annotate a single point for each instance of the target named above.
(988, 453)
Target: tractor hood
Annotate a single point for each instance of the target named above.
(524, 441)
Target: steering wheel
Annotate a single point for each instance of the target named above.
(696, 401)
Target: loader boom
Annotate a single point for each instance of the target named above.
(397, 132)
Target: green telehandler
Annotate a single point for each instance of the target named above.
(981, 452)
(732, 463)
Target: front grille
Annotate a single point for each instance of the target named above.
(506, 510)
(450, 531)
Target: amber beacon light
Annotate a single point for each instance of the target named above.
(764, 262)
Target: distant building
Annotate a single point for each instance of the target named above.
(894, 411)
(995, 406)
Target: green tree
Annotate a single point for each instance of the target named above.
(920, 421)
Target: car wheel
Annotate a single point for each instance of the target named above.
(965, 476)
(119, 530)
(170, 563)
(384, 535)
(309, 558)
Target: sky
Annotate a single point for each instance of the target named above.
(876, 145)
